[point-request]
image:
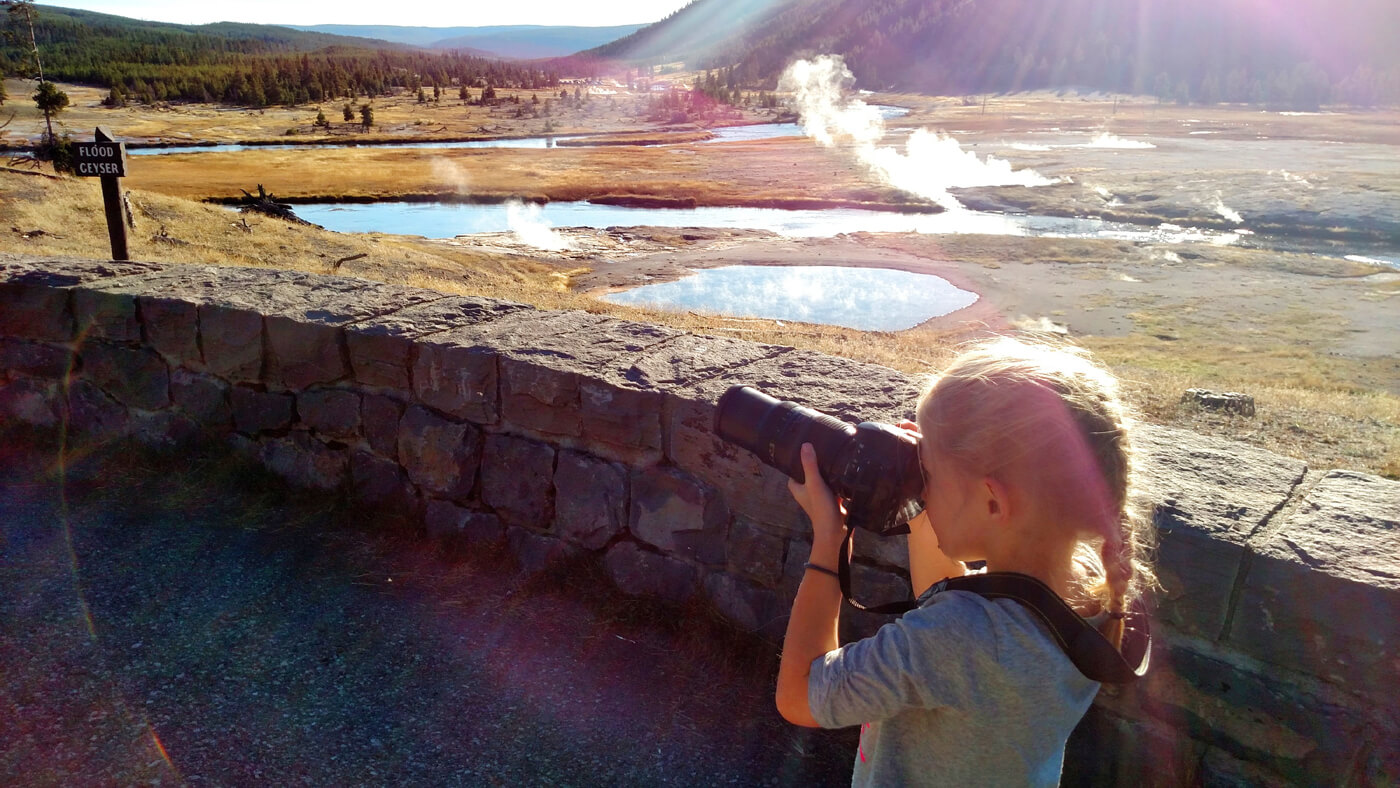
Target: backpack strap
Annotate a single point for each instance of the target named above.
(1081, 641)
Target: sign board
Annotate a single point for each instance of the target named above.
(101, 158)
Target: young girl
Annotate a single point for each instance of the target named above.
(1026, 458)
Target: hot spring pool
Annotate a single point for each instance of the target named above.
(869, 299)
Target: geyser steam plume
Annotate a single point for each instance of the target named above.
(531, 228)
(931, 164)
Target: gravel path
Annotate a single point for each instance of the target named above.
(191, 624)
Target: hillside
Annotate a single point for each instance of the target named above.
(1285, 52)
(509, 41)
(242, 64)
(694, 32)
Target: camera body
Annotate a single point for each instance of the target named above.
(874, 467)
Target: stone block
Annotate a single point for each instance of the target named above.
(872, 585)
(302, 353)
(643, 573)
(381, 484)
(260, 411)
(35, 359)
(204, 398)
(621, 417)
(164, 429)
(536, 552)
(1220, 769)
(458, 380)
(94, 414)
(1322, 594)
(449, 522)
(1208, 496)
(35, 294)
(440, 456)
(755, 553)
(305, 462)
(380, 359)
(539, 398)
(136, 377)
(517, 480)
(847, 390)
(381, 347)
(243, 447)
(379, 417)
(749, 487)
(171, 326)
(798, 551)
(1287, 723)
(107, 316)
(443, 520)
(27, 401)
(684, 359)
(890, 551)
(1110, 749)
(750, 607)
(678, 515)
(590, 499)
(35, 310)
(231, 341)
(332, 413)
(545, 356)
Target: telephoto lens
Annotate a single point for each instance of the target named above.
(873, 466)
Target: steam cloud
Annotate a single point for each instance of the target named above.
(1106, 140)
(931, 163)
(1225, 211)
(531, 228)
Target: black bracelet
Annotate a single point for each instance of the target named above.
(822, 569)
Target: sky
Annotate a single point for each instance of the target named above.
(413, 13)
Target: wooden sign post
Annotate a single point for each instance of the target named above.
(105, 158)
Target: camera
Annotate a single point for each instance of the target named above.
(874, 467)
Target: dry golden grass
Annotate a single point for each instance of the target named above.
(765, 171)
(399, 117)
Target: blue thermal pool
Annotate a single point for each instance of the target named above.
(870, 299)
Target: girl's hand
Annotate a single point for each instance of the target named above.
(819, 502)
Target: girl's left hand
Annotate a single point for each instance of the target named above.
(827, 514)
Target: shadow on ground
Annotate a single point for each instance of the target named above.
(191, 621)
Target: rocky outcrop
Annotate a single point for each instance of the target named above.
(564, 434)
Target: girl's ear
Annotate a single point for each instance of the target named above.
(996, 501)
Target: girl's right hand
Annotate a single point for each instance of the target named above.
(819, 502)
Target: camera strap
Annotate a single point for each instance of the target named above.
(1087, 648)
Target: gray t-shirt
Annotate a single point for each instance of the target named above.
(961, 690)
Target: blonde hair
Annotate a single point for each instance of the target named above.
(1047, 419)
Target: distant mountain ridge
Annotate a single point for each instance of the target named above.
(244, 64)
(1293, 52)
(523, 42)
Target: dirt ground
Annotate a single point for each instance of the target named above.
(192, 621)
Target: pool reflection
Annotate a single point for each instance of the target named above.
(869, 299)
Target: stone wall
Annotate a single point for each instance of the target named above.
(567, 433)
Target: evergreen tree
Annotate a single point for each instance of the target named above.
(348, 112)
(321, 118)
(366, 116)
(50, 101)
(115, 97)
(3, 95)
